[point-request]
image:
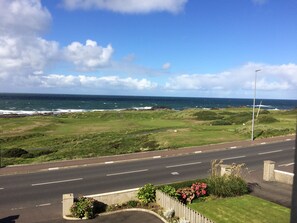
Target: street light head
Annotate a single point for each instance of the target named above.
(257, 70)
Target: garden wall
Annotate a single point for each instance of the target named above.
(117, 197)
(181, 210)
(270, 174)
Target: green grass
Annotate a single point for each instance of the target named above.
(243, 209)
(92, 134)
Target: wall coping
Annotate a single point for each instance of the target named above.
(113, 192)
(283, 172)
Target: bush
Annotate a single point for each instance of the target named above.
(183, 184)
(83, 207)
(187, 194)
(147, 193)
(227, 186)
(14, 153)
(132, 203)
(266, 119)
(207, 115)
(221, 122)
(169, 190)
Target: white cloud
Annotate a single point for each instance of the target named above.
(105, 82)
(22, 51)
(89, 56)
(127, 6)
(271, 78)
(23, 17)
(166, 66)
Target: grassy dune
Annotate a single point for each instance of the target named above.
(79, 135)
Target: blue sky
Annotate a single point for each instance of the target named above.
(197, 48)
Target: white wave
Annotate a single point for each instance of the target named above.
(142, 108)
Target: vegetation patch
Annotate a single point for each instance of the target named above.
(242, 209)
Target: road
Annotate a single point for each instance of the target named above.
(39, 194)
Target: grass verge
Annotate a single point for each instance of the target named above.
(243, 209)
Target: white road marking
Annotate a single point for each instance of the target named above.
(184, 164)
(109, 162)
(54, 168)
(288, 139)
(156, 157)
(56, 182)
(1, 188)
(233, 147)
(198, 152)
(287, 164)
(293, 148)
(233, 158)
(263, 143)
(42, 205)
(174, 173)
(128, 172)
(274, 151)
(20, 208)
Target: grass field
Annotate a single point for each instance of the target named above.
(79, 135)
(244, 209)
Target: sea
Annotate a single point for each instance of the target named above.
(30, 104)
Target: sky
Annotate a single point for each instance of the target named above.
(191, 48)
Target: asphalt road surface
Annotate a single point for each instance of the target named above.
(37, 196)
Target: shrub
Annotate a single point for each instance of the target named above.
(83, 207)
(221, 122)
(266, 119)
(14, 153)
(132, 203)
(207, 115)
(171, 191)
(147, 193)
(181, 184)
(187, 194)
(227, 186)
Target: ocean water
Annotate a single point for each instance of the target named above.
(60, 103)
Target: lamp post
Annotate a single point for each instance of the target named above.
(254, 104)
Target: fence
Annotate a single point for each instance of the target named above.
(181, 210)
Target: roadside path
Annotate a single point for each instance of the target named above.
(29, 168)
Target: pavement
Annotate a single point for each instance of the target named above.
(276, 192)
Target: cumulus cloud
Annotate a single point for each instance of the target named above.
(127, 6)
(23, 17)
(22, 51)
(166, 66)
(89, 56)
(235, 81)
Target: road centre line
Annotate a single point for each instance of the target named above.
(56, 182)
(196, 152)
(1, 188)
(109, 162)
(128, 172)
(184, 164)
(156, 157)
(42, 205)
(233, 147)
(263, 143)
(233, 158)
(53, 168)
(274, 151)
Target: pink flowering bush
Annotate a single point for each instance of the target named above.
(187, 194)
